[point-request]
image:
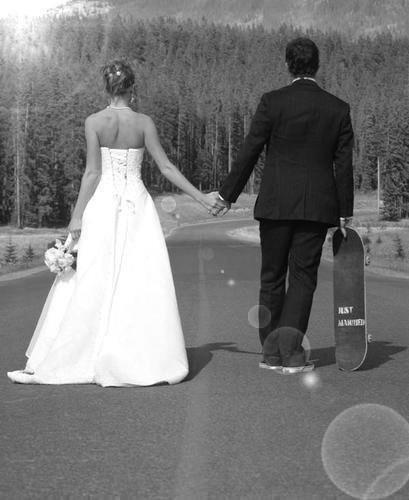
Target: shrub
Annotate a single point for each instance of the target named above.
(366, 240)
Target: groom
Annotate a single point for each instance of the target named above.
(306, 187)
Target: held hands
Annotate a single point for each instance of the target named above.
(215, 205)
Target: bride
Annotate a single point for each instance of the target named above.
(114, 321)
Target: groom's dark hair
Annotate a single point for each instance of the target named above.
(302, 57)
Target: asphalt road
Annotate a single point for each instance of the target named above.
(230, 430)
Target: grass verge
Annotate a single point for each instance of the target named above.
(174, 210)
(387, 243)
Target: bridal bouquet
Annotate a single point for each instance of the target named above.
(59, 259)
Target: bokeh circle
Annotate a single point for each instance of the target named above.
(365, 451)
(311, 380)
(259, 316)
(206, 253)
(168, 204)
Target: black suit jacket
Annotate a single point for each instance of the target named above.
(308, 172)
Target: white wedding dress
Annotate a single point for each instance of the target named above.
(114, 321)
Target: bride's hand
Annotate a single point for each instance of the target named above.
(213, 203)
(208, 201)
(75, 228)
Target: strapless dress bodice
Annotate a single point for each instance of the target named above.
(122, 162)
(121, 172)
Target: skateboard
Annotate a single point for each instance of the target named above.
(351, 337)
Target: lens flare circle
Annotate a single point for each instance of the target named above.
(206, 253)
(259, 316)
(311, 380)
(168, 204)
(365, 451)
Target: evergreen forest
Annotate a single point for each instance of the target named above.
(200, 82)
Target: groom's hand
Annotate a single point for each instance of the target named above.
(343, 222)
(219, 205)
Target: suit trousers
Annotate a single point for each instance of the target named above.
(296, 247)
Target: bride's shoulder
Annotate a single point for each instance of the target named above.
(98, 119)
(142, 117)
(143, 121)
(95, 117)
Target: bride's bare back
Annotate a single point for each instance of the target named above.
(120, 128)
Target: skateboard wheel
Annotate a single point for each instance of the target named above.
(369, 338)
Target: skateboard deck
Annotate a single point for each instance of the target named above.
(351, 339)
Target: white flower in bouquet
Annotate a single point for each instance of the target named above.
(66, 260)
(54, 268)
(58, 259)
(51, 255)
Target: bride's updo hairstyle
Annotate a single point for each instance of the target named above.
(118, 77)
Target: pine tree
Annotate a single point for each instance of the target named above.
(10, 254)
(200, 82)
(399, 250)
(396, 176)
(29, 254)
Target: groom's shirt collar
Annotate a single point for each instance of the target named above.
(304, 78)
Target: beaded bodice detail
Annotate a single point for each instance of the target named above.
(121, 170)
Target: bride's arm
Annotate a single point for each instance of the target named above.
(90, 178)
(169, 170)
